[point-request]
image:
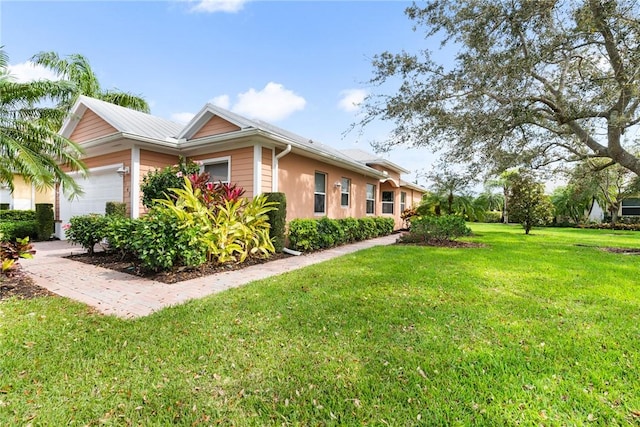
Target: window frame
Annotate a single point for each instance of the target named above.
(373, 200)
(387, 203)
(316, 193)
(344, 193)
(635, 208)
(218, 160)
(403, 201)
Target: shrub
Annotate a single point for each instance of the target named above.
(493, 216)
(384, 225)
(367, 228)
(4, 206)
(350, 229)
(17, 215)
(278, 220)
(45, 218)
(119, 233)
(436, 229)
(116, 209)
(12, 251)
(19, 229)
(329, 233)
(154, 240)
(156, 184)
(86, 230)
(303, 234)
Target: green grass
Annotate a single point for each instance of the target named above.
(529, 330)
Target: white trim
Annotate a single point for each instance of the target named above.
(274, 171)
(114, 166)
(257, 170)
(215, 160)
(134, 184)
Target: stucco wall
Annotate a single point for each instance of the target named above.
(241, 166)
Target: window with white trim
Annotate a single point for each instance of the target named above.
(403, 201)
(320, 193)
(631, 207)
(371, 199)
(218, 170)
(387, 202)
(345, 192)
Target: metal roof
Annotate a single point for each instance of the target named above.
(369, 158)
(131, 121)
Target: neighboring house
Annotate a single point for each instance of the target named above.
(24, 195)
(630, 207)
(122, 145)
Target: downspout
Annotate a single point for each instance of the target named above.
(276, 169)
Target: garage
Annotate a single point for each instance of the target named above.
(102, 185)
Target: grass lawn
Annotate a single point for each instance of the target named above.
(533, 330)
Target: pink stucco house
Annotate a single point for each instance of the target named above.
(122, 145)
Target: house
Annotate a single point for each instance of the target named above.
(122, 145)
(24, 196)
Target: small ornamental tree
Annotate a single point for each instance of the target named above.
(528, 205)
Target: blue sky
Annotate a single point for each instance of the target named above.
(300, 65)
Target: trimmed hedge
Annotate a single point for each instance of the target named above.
(11, 230)
(314, 234)
(608, 226)
(17, 215)
(45, 218)
(277, 220)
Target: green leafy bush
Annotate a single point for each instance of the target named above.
(12, 230)
(436, 229)
(492, 216)
(116, 209)
(314, 234)
(45, 218)
(384, 225)
(278, 220)
(86, 230)
(119, 232)
(350, 228)
(367, 228)
(303, 234)
(18, 215)
(156, 184)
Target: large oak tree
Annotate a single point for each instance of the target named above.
(531, 82)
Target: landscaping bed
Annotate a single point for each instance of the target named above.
(114, 261)
(21, 286)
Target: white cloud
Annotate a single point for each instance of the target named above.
(221, 101)
(182, 117)
(351, 99)
(213, 6)
(28, 71)
(272, 103)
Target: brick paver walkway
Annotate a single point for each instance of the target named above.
(124, 295)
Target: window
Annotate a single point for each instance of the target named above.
(218, 169)
(387, 202)
(371, 199)
(403, 201)
(631, 207)
(320, 193)
(345, 190)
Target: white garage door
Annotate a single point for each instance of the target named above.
(101, 186)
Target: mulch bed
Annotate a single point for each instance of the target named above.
(115, 262)
(624, 251)
(21, 286)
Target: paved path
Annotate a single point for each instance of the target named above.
(124, 295)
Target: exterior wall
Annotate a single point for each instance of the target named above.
(22, 197)
(91, 126)
(149, 161)
(215, 126)
(296, 178)
(267, 170)
(123, 157)
(241, 166)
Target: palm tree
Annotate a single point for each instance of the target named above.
(76, 69)
(29, 144)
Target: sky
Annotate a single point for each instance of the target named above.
(300, 65)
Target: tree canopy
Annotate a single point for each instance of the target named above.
(532, 82)
(77, 69)
(29, 145)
